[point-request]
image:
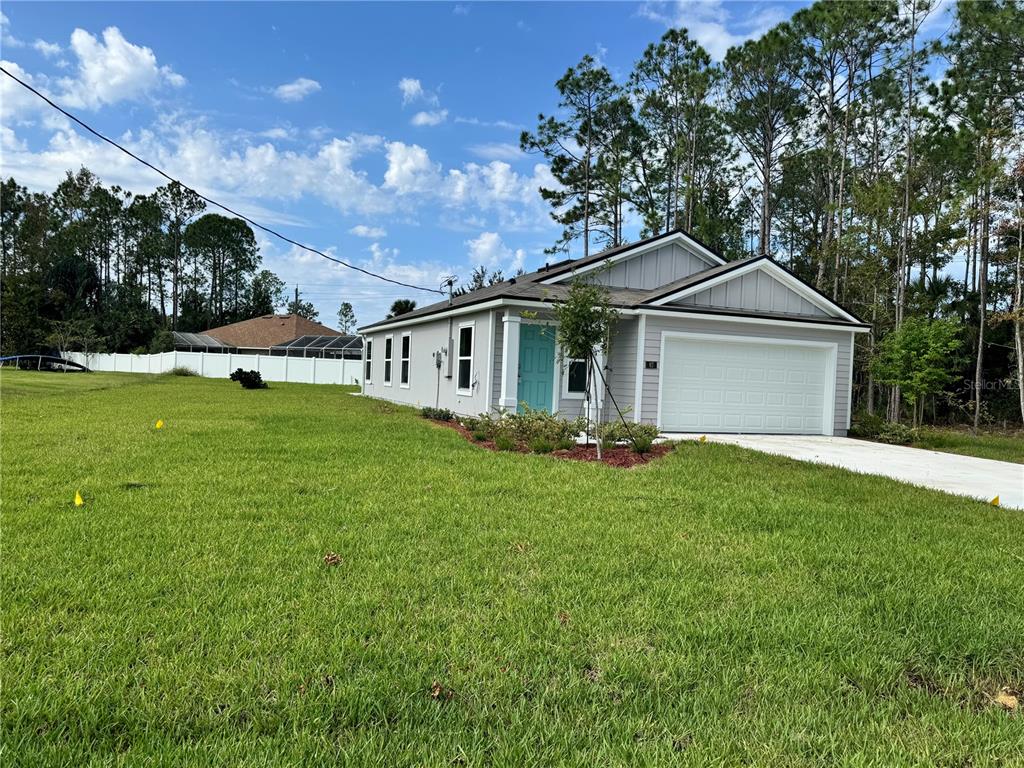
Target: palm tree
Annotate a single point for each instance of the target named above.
(401, 307)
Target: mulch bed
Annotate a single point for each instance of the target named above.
(623, 457)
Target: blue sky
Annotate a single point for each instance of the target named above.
(386, 134)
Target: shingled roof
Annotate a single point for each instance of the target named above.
(269, 330)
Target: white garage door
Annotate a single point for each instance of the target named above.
(739, 384)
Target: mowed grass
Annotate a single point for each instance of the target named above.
(718, 607)
(986, 445)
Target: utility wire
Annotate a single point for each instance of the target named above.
(209, 200)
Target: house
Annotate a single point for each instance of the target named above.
(259, 334)
(701, 345)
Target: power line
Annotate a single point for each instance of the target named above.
(209, 200)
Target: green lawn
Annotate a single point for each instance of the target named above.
(987, 445)
(718, 607)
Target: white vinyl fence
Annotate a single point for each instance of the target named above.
(304, 370)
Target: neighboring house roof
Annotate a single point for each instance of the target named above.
(268, 330)
(336, 342)
(538, 287)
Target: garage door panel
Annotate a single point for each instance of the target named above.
(744, 386)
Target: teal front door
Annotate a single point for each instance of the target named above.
(536, 366)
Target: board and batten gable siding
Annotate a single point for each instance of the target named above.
(649, 269)
(656, 325)
(427, 384)
(755, 291)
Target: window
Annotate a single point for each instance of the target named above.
(464, 382)
(388, 344)
(369, 359)
(576, 377)
(406, 345)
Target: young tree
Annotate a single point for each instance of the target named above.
(297, 306)
(346, 318)
(586, 322)
(919, 357)
(179, 206)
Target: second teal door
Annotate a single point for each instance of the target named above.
(536, 366)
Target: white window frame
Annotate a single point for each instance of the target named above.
(459, 357)
(405, 363)
(368, 362)
(389, 359)
(566, 392)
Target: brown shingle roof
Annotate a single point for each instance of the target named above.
(268, 330)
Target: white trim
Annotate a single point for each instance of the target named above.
(829, 406)
(389, 360)
(849, 386)
(403, 361)
(638, 391)
(676, 237)
(564, 369)
(508, 347)
(459, 358)
(367, 359)
(780, 322)
(773, 270)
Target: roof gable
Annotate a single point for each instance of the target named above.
(644, 265)
(752, 285)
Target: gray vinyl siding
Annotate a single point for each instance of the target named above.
(652, 351)
(650, 269)
(755, 291)
(427, 384)
(499, 336)
(622, 371)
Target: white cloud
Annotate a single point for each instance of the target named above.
(297, 89)
(412, 91)
(113, 70)
(6, 37)
(490, 251)
(460, 10)
(489, 123)
(432, 117)
(277, 133)
(47, 49)
(410, 169)
(362, 230)
(712, 23)
(497, 151)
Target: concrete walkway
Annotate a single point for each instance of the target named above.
(961, 475)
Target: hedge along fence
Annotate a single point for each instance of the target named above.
(216, 365)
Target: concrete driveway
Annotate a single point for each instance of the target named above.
(961, 475)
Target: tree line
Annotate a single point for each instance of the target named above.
(830, 145)
(102, 268)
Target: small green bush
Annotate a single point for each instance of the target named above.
(437, 414)
(181, 370)
(565, 444)
(896, 434)
(504, 443)
(248, 379)
(541, 445)
(873, 427)
(479, 436)
(639, 436)
(643, 443)
(472, 425)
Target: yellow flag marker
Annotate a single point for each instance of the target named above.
(995, 502)
(703, 438)
(159, 423)
(79, 501)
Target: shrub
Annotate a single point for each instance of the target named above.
(249, 379)
(541, 445)
(479, 436)
(565, 444)
(504, 443)
(896, 434)
(873, 427)
(640, 437)
(181, 370)
(437, 414)
(471, 425)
